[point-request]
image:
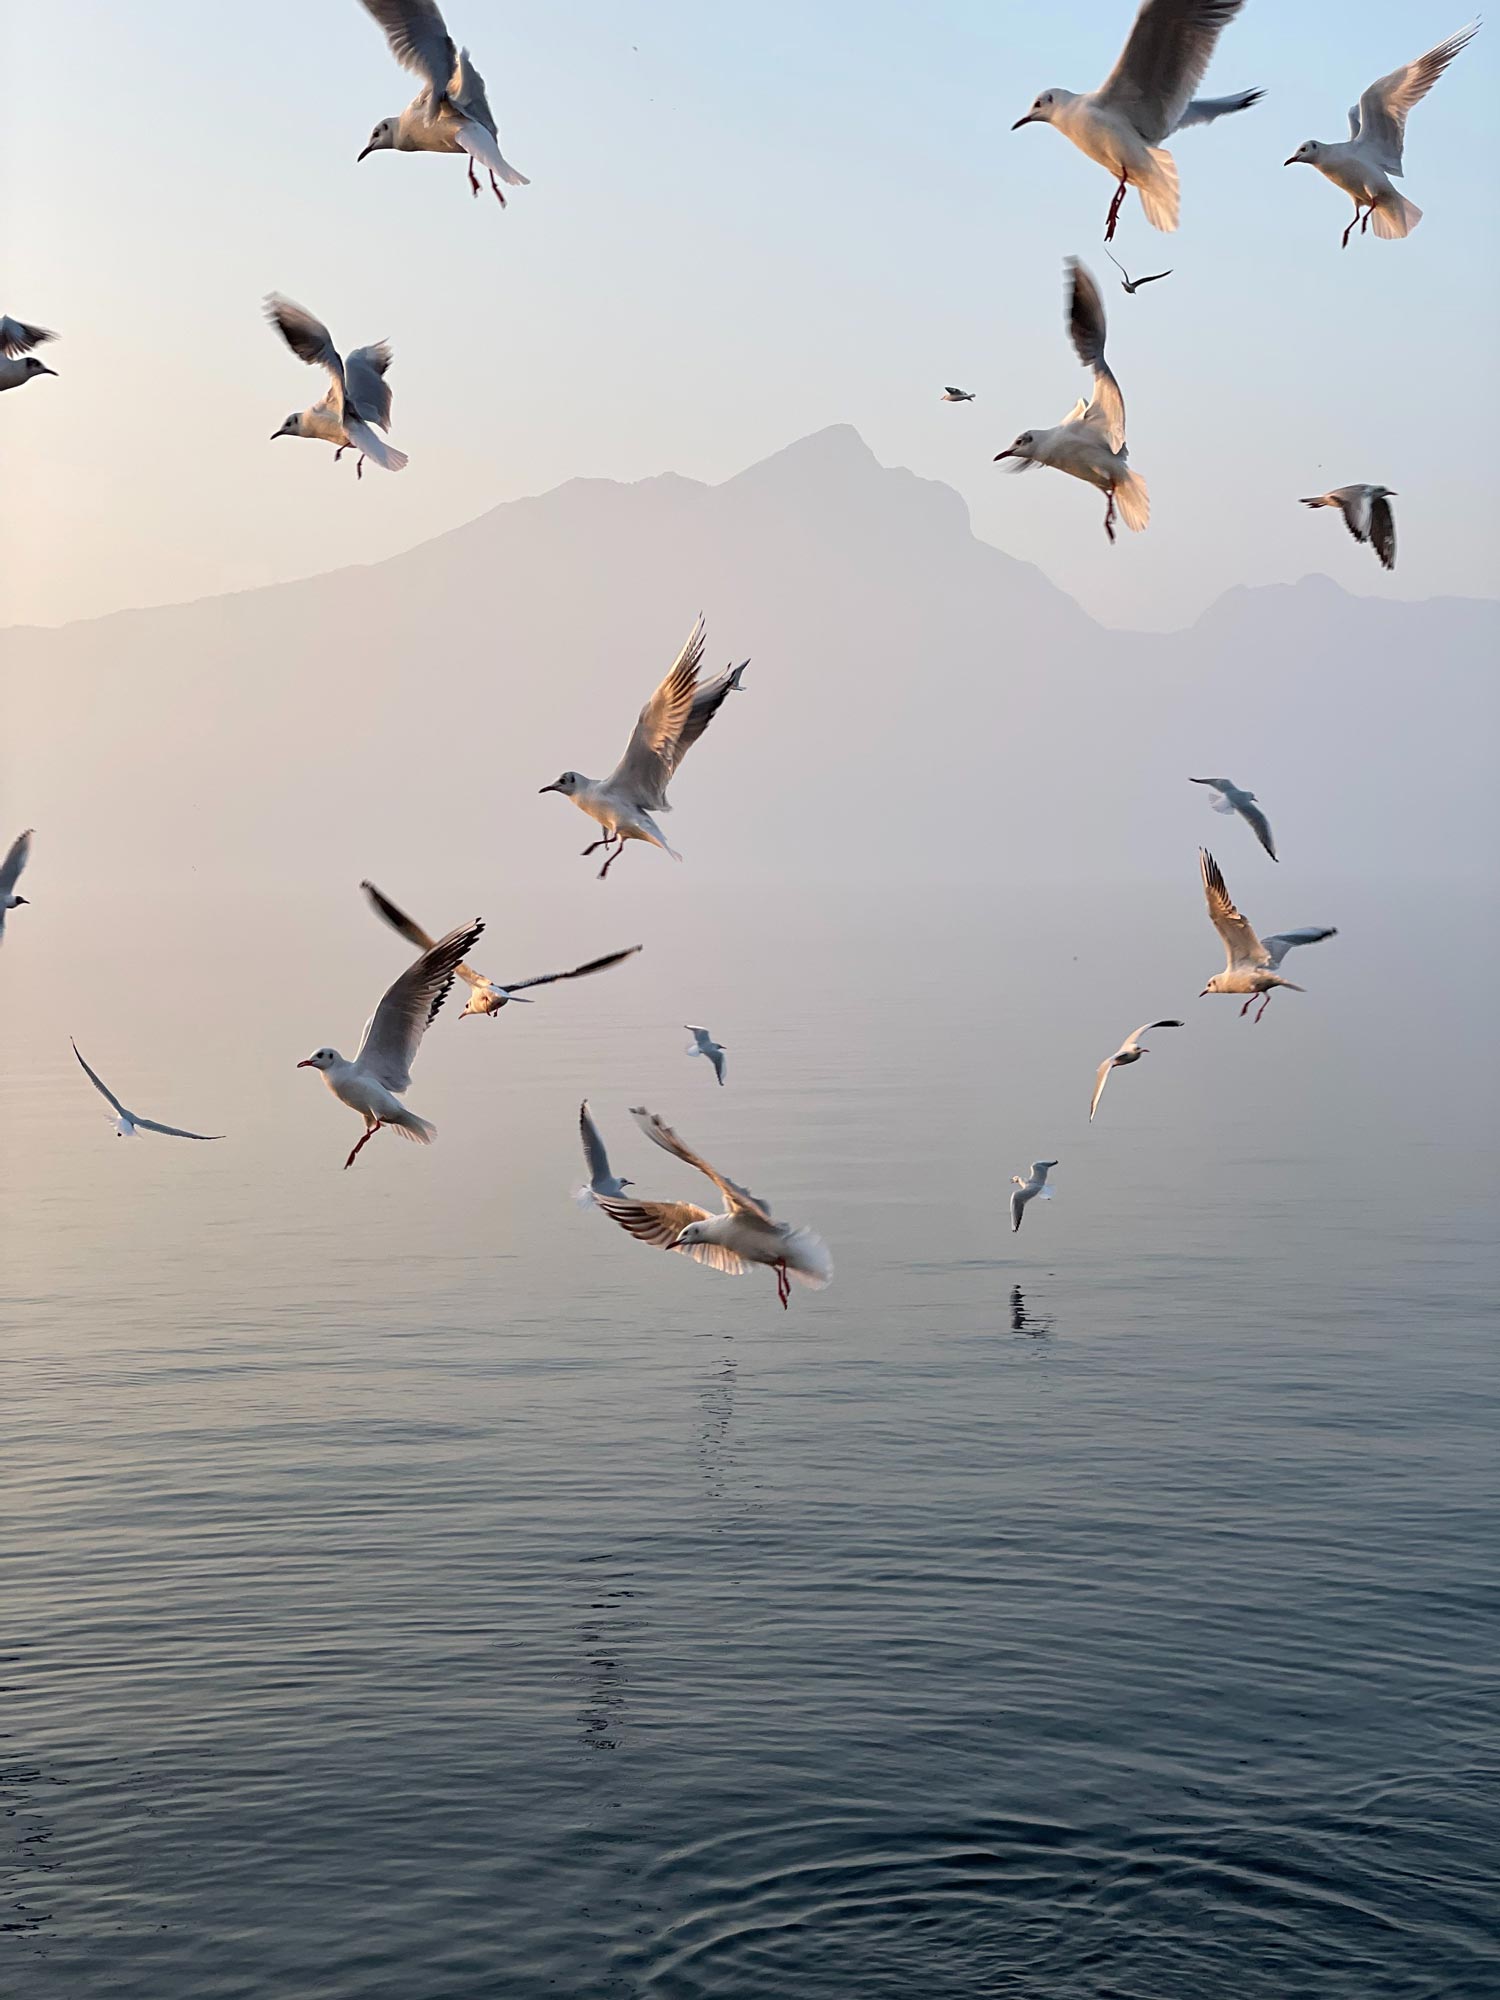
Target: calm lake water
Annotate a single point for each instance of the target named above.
(416, 1590)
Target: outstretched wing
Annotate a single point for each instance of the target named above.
(365, 385)
(1086, 330)
(309, 340)
(1380, 122)
(98, 1082)
(1383, 530)
(1018, 1201)
(173, 1131)
(705, 705)
(1203, 111)
(1260, 826)
(737, 1198)
(594, 1156)
(578, 971)
(1354, 505)
(1164, 61)
(1146, 1027)
(17, 338)
(1101, 1077)
(467, 92)
(419, 40)
(652, 754)
(15, 861)
(1284, 941)
(1241, 944)
(660, 1223)
(412, 932)
(394, 1031)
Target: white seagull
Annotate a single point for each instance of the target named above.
(703, 1044)
(1089, 443)
(450, 113)
(1028, 1190)
(1129, 1051)
(10, 874)
(1146, 97)
(952, 395)
(666, 729)
(486, 996)
(1250, 962)
(742, 1236)
(358, 394)
(128, 1123)
(1367, 515)
(1228, 798)
(602, 1179)
(1362, 164)
(380, 1074)
(17, 362)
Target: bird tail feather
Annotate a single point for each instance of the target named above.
(1394, 216)
(1158, 190)
(364, 439)
(410, 1126)
(1133, 501)
(808, 1259)
(584, 1196)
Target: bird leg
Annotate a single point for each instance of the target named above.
(495, 188)
(339, 453)
(1109, 514)
(370, 1131)
(783, 1284)
(613, 858)
(1247, 1006)
(1114, 211)
(603, 841)
(1350, 230)
(1265, 1001)
(473, 177)
(359, 466)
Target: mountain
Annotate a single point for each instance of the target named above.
(919, 705)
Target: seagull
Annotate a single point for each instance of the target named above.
(380, 1073)
(744, 1235)
(10, 874)
(358, 393)
(703, 1044)
(666, 729)
(1362, 164)
(1250, 962)
(1228, 798)
(450, 113)
(486, 996)
(601, 1180)
(128, 1123)
(952, 395)
(1029, 1189)
(16, 341)
(1129, 1051)
(1146, 97)
(1367, 515)
(1089, 443)
(1133, 285)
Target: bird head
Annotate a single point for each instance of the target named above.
(569, 783)
(16, 902)
(291, 428)
(1045, 109)
(1213, 985)
(1376, 493)
(1021, 451)
(381, 139)
(35, 367)
(695, 1232)
(1306, 155)
(320, 1059)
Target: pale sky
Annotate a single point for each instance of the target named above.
(743, 225)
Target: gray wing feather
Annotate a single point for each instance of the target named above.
(15, 861)
(1383, 530)
(1260, 826)
(655, 750)
(594, 1155)
(1384, 106)
(660, 1223)
(394, 1031)
(1086, 330)
(577, 972)
(1164, 61)
(174, 1131)
(368, 391)
(419, 40)
(662, 1135)
(17, 338)
(1240, 942)
(308, 339)
(1204, 110)
(1284, 941)
(98, 1082)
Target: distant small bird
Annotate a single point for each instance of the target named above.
(16, 341)
(1133, 285)
(1362, 164)
(951, 395)
(358, 393)
(1146, 97)
(1028, 1190)
(602, 1180)
(128, 1123)
(1228, 798)
(1367, 515)
(450, 113)
(10, 874)
(734, 1242)
(666, 729)
(1128, 1052)
(1089, 443)
(703, 1044)
(486, 996)
(380, 1074)
(1250, 962)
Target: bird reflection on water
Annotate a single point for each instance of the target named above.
(1022, 1321)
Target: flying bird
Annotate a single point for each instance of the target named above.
(358, 394)
(1133, 285)
(1228, 798)
(952, 395)
(128, 1123)
(1129, 1051)
(1362, 164)
(450, 113)
(1250, 962)
(1089, 443)
(380, 1074)
(666, 729)
(742, 1236)
(1027, 1190)
(1367, 515)
(486, 996)
(703, 1044)
(1146, 97)
(602, 1180)
(10, 874)
(17, 362)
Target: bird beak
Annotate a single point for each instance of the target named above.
(1004, 454)
(43, 369)
(306, 1063)
(1204, 994)
(277, 434)
(1292, 162)
(359, 156)
(23, 899)
(548, 788)
(1029, 119)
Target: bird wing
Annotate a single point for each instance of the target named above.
(17, 338)
(961, 394)
(1101, 1077)
(364, 379)
(1203, 111)
(594, 1156)
(309, 340)
(1284, 941)
(1354, 504)
(99, 1084)
(1086, 330)
(172, 1131)
(1163, 62)
(1222, 787)
(412, 932)
(1146, 1027)
(1379, 124)
(739, 1199)
(660, 1223)
(706, 703)
(394, 1031)
(419, 40)
(716, 1057)
(1018, 1200)
(15, 861)
(1259, 825)
(1241, 944)
(655, 747)
(466, 90)
(578, 971)
(1383, 530)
